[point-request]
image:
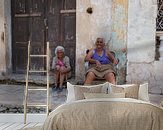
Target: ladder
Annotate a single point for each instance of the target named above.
(28, 89)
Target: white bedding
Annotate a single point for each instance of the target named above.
(105, 114)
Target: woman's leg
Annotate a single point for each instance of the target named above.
(56, 78)
(57, 75)
(110, 77)
(62, 77)
(89, 78)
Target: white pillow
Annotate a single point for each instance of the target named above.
(143, 92)
(130, 90)
(71, 90)
(104, 95)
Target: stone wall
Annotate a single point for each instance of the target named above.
(2, 40)
(108, 20)
(89, 27)
(141, 65)
(8, 36)
(128, 27)
(5, 38)
(118, 41)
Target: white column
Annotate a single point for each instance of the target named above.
(161, 49)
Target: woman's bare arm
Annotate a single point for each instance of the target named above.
(112, 58)
(88, 57)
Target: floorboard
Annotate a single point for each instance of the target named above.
(16, 121)
(18, 126)
(5, 126)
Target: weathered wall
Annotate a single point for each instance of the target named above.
(142, 66)
(2, 40)
(89, 27)
(5, 38)
(119, 35)
(108, 20)
(125, 25)
(8, 36)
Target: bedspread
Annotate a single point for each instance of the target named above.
(105, 114)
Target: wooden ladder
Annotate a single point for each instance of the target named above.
(27, 89)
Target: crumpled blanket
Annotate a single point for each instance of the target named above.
(105, 114)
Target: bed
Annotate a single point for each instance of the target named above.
(106, 107)
(106, 114)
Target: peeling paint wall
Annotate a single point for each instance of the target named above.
(89, 27)
(119, 35)
(108, 20)
(142, 66)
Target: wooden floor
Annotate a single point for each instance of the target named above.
(16, 121)
(17, 126)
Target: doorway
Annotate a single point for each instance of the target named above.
(40, 21)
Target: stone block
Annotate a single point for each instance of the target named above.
(141, 51)
(158, 68)
(141, 31)
(156, 90)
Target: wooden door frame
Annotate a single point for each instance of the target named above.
(45, 15)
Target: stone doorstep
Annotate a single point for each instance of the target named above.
(35, 79)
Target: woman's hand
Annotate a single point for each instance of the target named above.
(63, 70)
(98, 64)
(115, 61)
(57, 67)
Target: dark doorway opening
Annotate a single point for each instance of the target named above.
(40, 21)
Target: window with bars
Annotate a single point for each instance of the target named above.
(159, 20)
(159, 30)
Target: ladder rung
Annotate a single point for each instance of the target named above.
(37, 105)
(37, 71)
(38, 55)
(39, 89)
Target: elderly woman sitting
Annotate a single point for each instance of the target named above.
(61, 67)
(101, 63)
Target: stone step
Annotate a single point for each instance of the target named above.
(34, 79)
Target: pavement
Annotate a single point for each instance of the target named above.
(14, 94)
(12, 90)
